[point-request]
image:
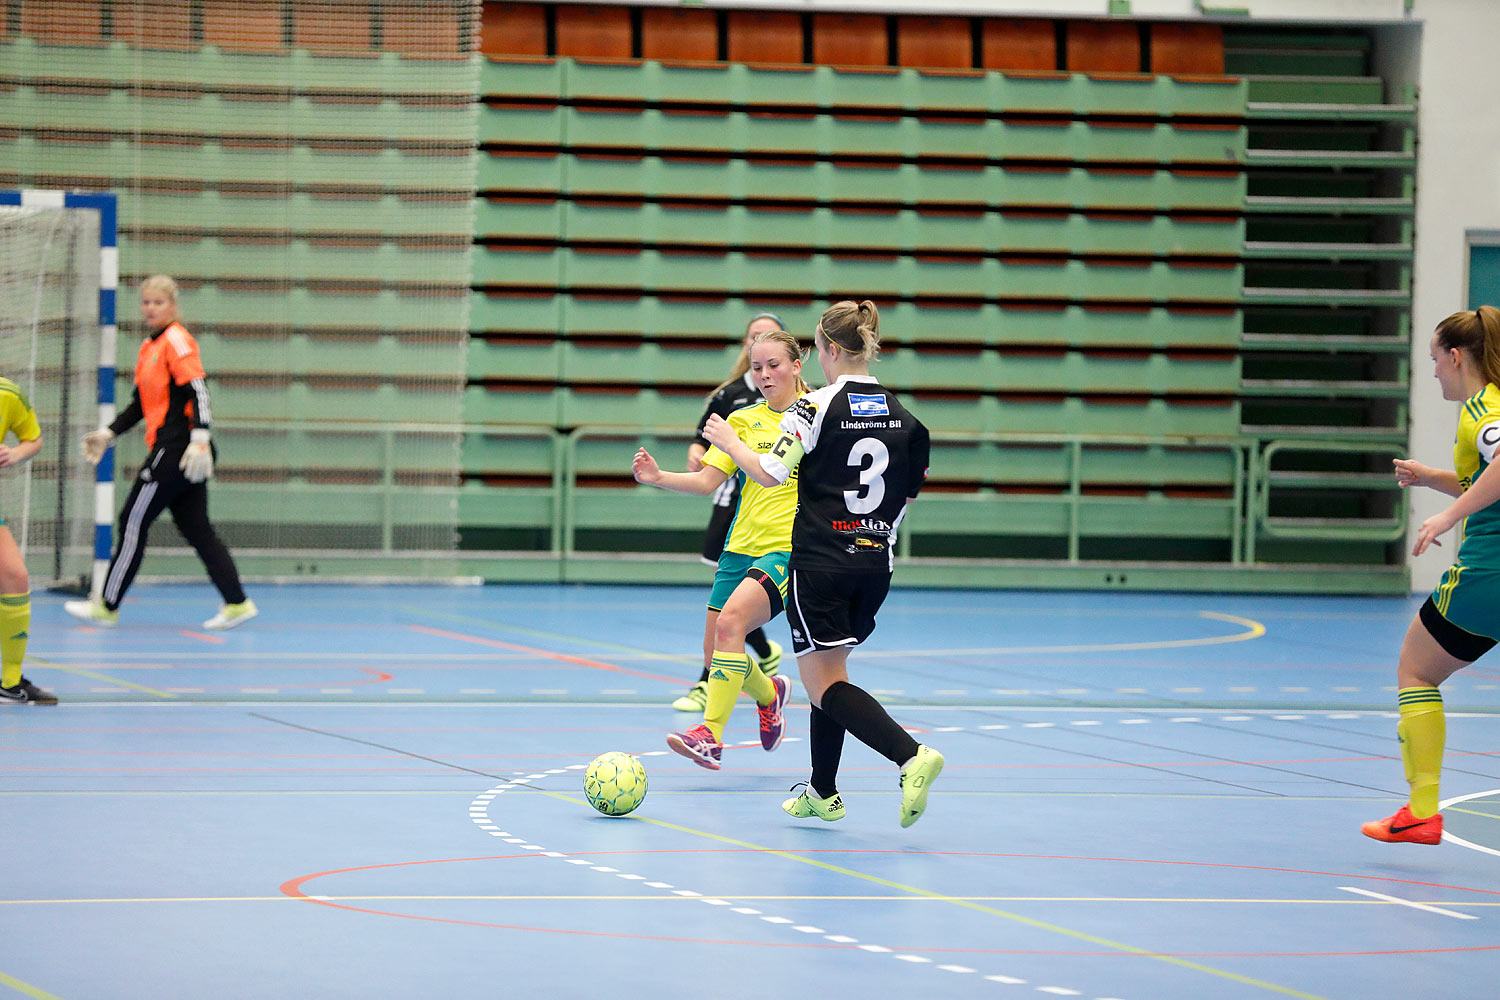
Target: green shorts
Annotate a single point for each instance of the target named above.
(734, 567)
(1469, 597)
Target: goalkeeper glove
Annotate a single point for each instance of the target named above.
(96, 443)
(197, 462)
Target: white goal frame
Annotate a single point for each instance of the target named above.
(109, 278)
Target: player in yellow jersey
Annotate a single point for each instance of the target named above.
(1460, 622)
(739, 390)
(18, 418)
(750, 584)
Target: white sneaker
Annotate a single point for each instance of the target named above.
(231, 615)
(93, 612)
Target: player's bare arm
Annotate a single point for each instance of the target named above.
(1410, 472)
(22, 451)
(700, 483)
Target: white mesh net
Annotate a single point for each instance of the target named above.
(49, 346)
(305, 171)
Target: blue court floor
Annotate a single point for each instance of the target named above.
(376, 792)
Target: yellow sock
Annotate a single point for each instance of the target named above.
(758, 686)
(726, 675)
(1423, 730)
(15, 622)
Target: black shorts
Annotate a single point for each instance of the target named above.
(718, 533)
(829, 610)
(1456, 642)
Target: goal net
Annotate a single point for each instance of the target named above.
(305, 170)
(50, 347)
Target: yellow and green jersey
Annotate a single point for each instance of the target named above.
(1474, 451)
(16, 415)
(763, 522)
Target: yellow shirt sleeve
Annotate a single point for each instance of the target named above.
(720, 459)
(15, 409)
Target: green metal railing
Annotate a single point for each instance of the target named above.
(1264, 477)
(1255, 466)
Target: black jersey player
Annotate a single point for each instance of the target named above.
(860, 457)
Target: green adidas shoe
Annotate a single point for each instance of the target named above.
(696, 699)
(93, 612)
(808, 804)
(231, 615)
(917, 776)
(772, 663)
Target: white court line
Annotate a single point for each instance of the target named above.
(479, 809)
(1407, 902)
(1459, 840)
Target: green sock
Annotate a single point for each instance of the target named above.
(1423, 731)
(758, 686)
(726, 675)
(15, 623)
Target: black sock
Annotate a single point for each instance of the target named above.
(859, 713)
(703, 677)
(756, 640)
(826, 744)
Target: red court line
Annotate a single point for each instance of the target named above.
(546, 654)
(376, 677)
(216, 639)
(293, 888)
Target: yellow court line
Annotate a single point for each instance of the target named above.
(543, 634)
(957, 901)
(1472, 812)
(1253, 630)
(93, 675)
(992, 911)
(37, 993)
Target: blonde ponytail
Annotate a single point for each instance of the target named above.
(854, 327)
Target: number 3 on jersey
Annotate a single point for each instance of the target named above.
(871, 482)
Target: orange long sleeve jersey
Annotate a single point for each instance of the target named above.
(171, 391)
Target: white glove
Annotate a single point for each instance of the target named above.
(96, 443)
(198, 458)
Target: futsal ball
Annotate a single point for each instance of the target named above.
(615, 783)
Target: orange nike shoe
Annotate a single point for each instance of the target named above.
(1404, 828)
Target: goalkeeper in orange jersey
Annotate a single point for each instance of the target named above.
(171, 396)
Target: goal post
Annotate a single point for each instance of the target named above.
(59, 268)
